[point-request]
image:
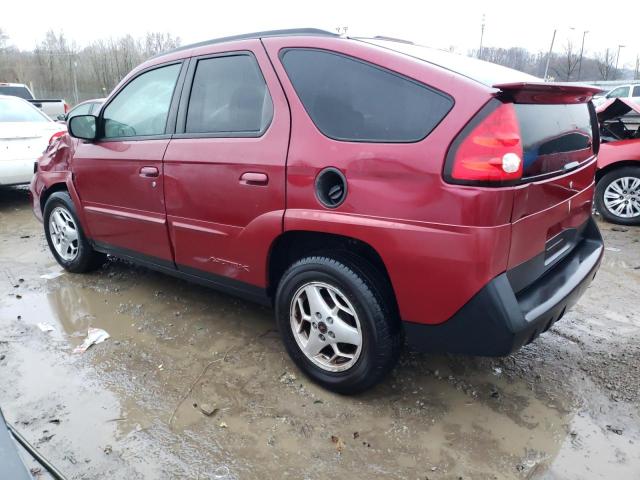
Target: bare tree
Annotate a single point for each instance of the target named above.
(4, 40)
(606, 63)
(568, 61)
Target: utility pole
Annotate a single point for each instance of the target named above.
(618, 57)
(636, 75)
(75, 81)
(546, 68)
(584, 34)
(481, 37)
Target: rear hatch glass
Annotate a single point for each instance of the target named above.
(555, 138)
(551, 209)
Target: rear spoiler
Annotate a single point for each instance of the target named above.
(545, 92)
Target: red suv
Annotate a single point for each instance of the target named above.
(371, 190)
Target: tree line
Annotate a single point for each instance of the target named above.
(59, 68)
(565, 65)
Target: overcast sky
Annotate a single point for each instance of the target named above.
(443, 24)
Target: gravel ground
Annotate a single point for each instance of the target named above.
(196, 384)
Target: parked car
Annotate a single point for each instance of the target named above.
(368, 189)
(618, 177)
(25, 132)
(631, 92)
(85, 108)
(56, 109)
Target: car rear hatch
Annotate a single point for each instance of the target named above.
(553, 204)
(540, 141)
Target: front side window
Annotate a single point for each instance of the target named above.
(229, 96)
(142, 107)
(352, 100)
(83, 109)
(636, 91)
(619, 92)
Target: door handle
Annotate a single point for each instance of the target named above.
(254, 178)
(149, 172)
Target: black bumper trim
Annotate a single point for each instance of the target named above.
(497, 321)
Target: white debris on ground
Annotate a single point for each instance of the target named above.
(94, 336)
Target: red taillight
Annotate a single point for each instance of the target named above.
(66, 107)
(56, 135)
(491, 151)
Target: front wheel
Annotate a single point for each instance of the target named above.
(65, 236)
(336, 324)
(618, 196)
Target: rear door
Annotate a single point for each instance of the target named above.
(552, 208)
(224, 169)
(119, 176)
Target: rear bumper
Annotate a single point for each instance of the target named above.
(16, 172)
(498, 321)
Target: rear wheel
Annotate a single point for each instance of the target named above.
(618, 196)
(336, 324)
(65, 236)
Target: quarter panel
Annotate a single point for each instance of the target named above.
(440, 243)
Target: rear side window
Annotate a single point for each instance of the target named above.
(636, 91)
(554, 137)
(352, 100)
(229, 96)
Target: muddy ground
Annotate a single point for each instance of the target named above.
(565, 407)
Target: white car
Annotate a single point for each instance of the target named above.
(55, 108)
(632, 92)
(25, 132)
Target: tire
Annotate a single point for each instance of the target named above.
(357, 290)
(609, 185)
(76, 255)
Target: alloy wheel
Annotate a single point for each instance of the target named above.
(63, 233)
(326, 327)
(622, 197)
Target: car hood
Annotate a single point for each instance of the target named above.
(24, 130)
(616, 107)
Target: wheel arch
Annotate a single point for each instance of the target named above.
(614, 166)
(64, 183)
(50, 190)
(293, 245)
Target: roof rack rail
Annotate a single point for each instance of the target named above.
(393, 39)
(248, 36)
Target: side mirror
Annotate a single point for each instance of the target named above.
(84, 127)
(62, 117)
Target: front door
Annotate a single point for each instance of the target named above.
(225, 166)
(119, 176)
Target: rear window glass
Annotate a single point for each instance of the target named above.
(16, 110)
(554, 136)
(20, 92)
(351, 100)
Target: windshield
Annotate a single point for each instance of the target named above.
(486, 73)
(20, 92)
(13, 109)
